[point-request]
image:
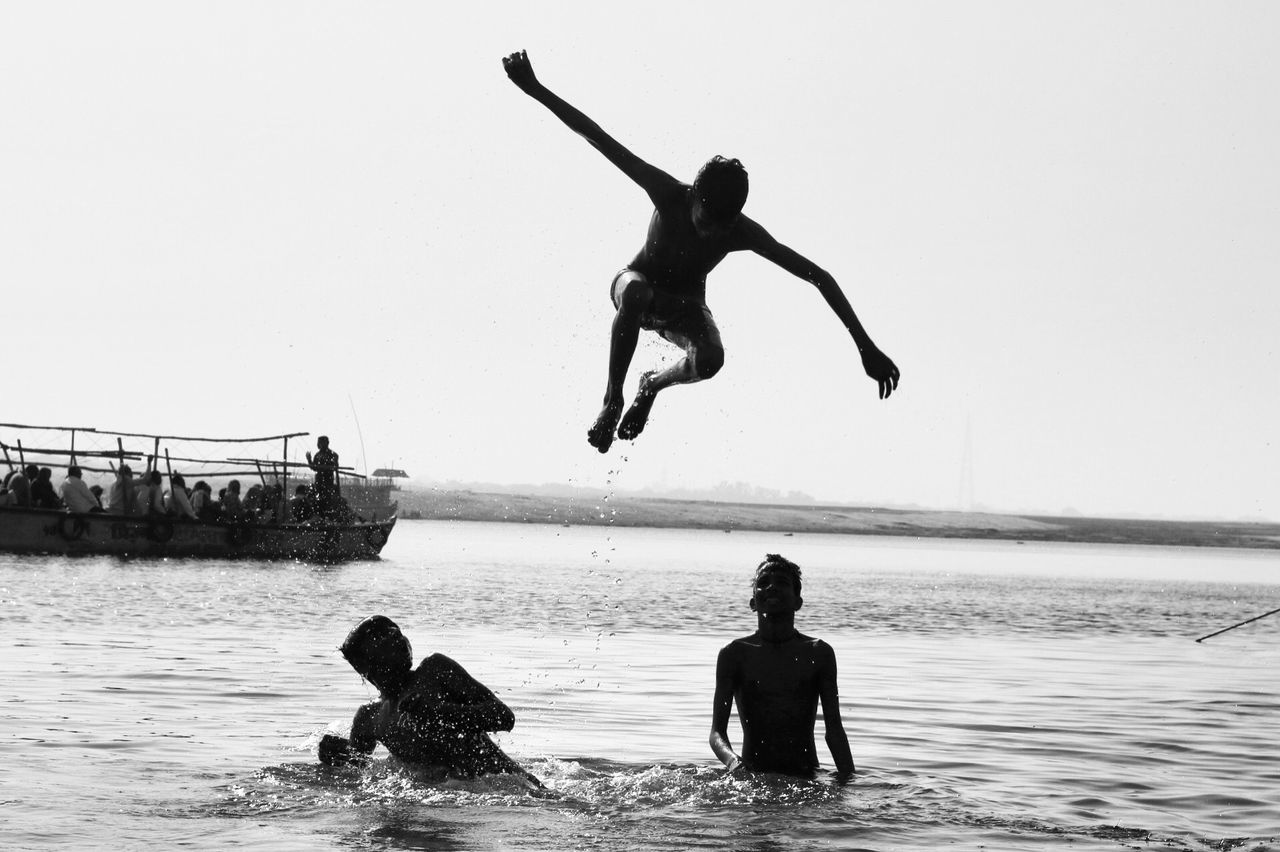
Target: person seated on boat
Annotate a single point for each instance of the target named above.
(17, 490)
(43, 494)
(96, 491)
(20, 486)
(123, 496)
(150, 495)
(253, 507)
(176, 501)
(436, 716)
(232, 507)
(202, 502)
(302, 507)
(272, 496)
(75, 494)
(325, 464)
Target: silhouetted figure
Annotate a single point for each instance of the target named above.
(435, 716)
(302, 506)
(232, 509)
(664, 288)
(325, 464)
(777, 676)
(43, 494)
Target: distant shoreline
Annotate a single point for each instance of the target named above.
(628, 511)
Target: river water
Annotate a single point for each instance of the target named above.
(996, 695)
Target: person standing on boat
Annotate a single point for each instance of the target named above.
(76, 494)
(325, 464)
(777, 676)
(436, 717)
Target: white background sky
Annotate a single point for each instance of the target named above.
(1060, 219)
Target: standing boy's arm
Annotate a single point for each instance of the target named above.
(876, 364)
(721, 704)
(651, 179)
(837, 739)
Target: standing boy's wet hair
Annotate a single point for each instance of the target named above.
(776, 562)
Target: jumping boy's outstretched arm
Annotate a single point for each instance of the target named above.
(876, 363)
(650, 178)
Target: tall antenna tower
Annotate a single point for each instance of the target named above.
(966, 468)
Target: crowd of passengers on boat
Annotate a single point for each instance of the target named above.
(32, 487)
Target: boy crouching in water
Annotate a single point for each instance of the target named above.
(777, 676)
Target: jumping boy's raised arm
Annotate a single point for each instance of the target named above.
(876, 364)
(651, 179)
(828, 693)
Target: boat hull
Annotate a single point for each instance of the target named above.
(97, 533)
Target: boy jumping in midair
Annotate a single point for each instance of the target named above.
(664, 288)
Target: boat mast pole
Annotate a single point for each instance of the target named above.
(282, 512)
(1241, 624)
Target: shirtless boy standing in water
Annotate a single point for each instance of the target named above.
(777, 676)
(664, 288)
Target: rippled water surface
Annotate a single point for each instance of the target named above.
(997, 695)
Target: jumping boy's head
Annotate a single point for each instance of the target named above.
(379, 652)
(721, 189)
(775, 571)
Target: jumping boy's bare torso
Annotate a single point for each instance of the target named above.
(676, 258)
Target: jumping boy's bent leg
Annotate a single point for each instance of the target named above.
(703, 358)
(632, 295)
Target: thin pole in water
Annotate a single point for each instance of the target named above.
(1241, 624)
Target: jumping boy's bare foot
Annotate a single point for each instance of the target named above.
(600, 435)
(637, 415)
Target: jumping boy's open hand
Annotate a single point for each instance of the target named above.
(881, 369)
(520, 70)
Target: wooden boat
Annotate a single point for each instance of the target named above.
(274, 532)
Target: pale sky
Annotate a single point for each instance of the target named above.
(1059, 219)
